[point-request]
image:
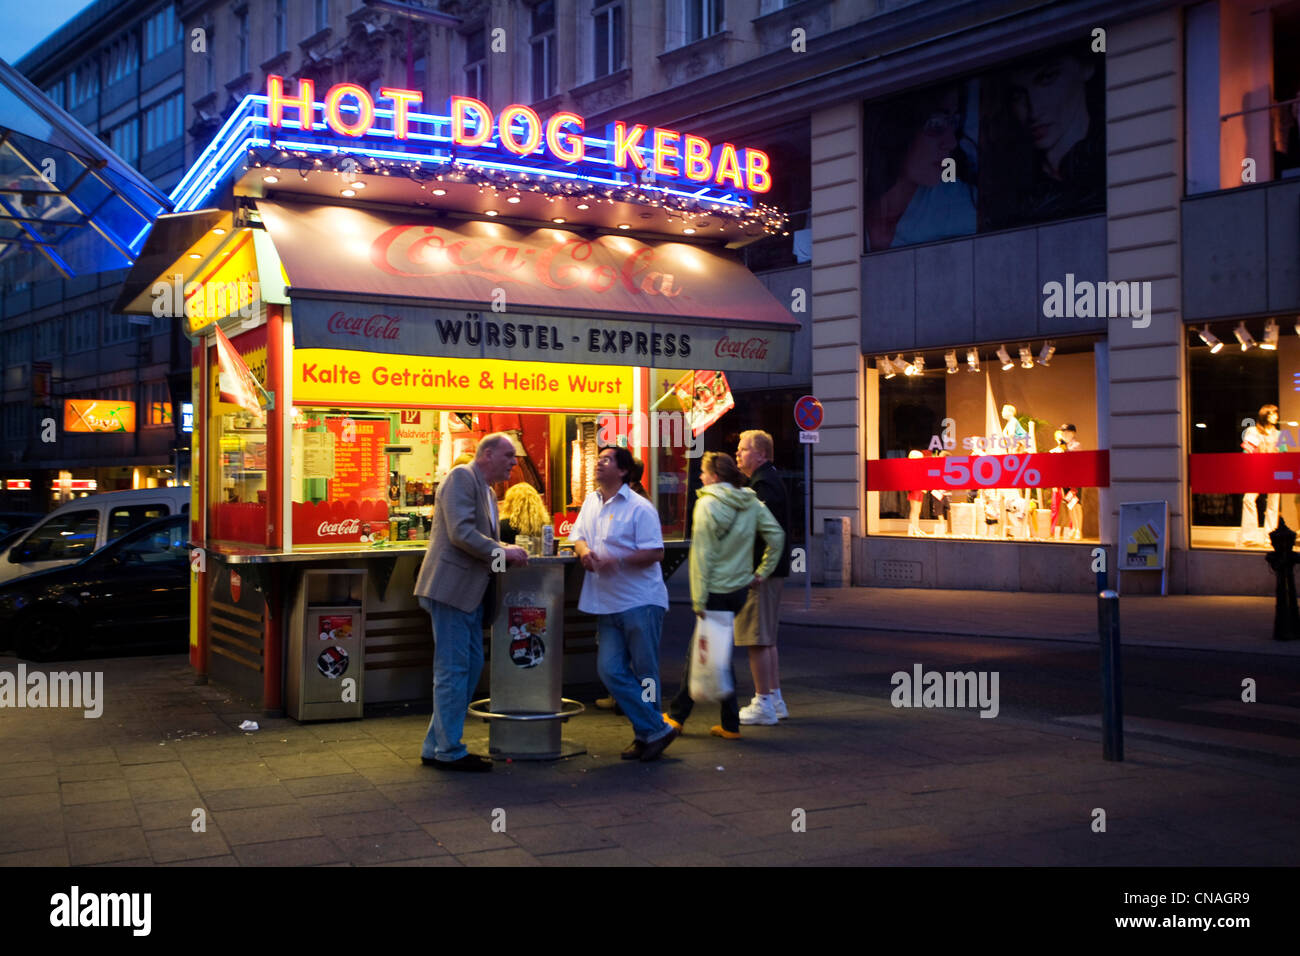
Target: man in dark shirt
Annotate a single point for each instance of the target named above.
(756, 624)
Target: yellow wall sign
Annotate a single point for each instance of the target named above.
(341, 377)
(227, 286)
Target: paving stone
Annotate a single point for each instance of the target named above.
(513, 857)
(167, 814)
(101, 816)
(246, 797)
(48, 856)
(610, 856)
(19, 786)
(162, 770)
(386, 847)
(169, 846)
(26, 768)
(117, 844)
(93, 791)
(307, 765)
(329, 783)
(468, 836)
(391, 822)
(308, 851)
(164, 788)
(264, 824)
(326, 804)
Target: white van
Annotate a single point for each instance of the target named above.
(81, 527)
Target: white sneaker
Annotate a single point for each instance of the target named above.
(759, 711)
(778, 706)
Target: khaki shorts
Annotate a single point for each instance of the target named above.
(757, 621)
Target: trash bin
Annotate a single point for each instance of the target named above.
(526, 709)
(837, 553)
(326, 674)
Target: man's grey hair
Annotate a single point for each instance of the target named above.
(761, 441)
(489, 442)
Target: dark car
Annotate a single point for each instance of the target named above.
(135, 590)
(17, 521)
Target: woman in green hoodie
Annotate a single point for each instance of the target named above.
(726, 520)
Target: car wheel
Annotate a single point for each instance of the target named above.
(44, 638)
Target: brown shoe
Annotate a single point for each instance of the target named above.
(633, 750)
(656, 747)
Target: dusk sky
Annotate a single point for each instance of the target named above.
(27, 24)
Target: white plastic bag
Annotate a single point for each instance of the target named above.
(711, 656)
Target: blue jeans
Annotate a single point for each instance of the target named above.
(627, 655)
(457, 664)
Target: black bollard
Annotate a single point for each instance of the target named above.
(1112, 704)
(1286, 615)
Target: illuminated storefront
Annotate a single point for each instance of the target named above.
(503, 274)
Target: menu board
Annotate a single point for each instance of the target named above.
(360, 465)
(317, 455)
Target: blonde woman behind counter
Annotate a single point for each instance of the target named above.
(523, 512)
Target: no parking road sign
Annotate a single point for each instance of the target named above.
(808, 413)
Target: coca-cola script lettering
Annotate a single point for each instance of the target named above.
(414, 251)
(751, 348)
(377, 326)
(338, 529)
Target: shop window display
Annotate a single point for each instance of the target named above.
(1245, 423)
(973, 444)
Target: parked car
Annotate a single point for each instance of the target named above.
(17, 520)
(80, 528)
(135, 590)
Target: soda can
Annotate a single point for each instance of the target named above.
(392, 529)
(548, 540)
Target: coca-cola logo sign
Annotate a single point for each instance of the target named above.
(377, 326)
(414, 251)
(337, 529)
(753, 347)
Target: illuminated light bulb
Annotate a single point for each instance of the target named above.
(218, 231)
(972, 360)
(689, 231)
(885, 368)
(558, 219)
(513, 199)
(1026, 357)
(358, 185)
(1212, 340)
(1005, 358)
(490, 212)
(348, 193)
(1243, 336)
(1045, 353)
(624, 225)
(270, 179)
(1270, 336)
(950, 360)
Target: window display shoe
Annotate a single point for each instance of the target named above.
(719, 731)
(759, 711)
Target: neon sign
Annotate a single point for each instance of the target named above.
(350, 111)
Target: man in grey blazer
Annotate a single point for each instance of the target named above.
(452, 585)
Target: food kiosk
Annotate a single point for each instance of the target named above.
(369, 290)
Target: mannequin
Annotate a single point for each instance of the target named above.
(1259, 439)
(914, 500)
(1071, 498)
(1017, 441)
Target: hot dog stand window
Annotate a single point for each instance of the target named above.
(367, 476)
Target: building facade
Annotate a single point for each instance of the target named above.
(117, 69)
(1003, 223)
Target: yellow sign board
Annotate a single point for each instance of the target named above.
(228, 285)
(371, 379)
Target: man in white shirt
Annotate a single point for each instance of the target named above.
(620, 542)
